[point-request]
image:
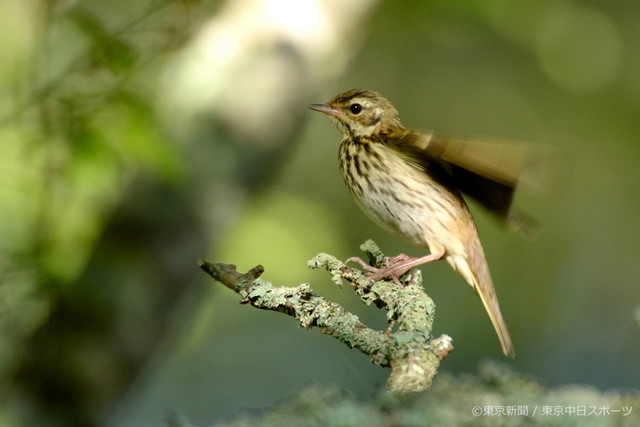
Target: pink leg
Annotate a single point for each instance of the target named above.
(402, 263)
(396, 266)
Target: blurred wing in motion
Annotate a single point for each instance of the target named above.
(489, 171)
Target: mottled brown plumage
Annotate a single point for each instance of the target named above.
(404, 181)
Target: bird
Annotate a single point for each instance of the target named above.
(410, 183)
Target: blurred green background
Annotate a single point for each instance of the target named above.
(138, 136)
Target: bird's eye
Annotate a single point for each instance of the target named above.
(355, 108)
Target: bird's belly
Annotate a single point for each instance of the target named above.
(409, 204)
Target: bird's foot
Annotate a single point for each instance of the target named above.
(396, 266)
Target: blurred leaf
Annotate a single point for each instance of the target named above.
(107, 49)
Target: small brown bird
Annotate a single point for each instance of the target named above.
(410, 184)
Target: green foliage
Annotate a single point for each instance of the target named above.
(80, 131)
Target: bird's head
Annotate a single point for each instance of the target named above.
(361, 113)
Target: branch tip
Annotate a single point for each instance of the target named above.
(227, 273)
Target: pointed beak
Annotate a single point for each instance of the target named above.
(326, 109)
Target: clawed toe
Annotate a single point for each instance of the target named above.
(396, 266)
(362, 264)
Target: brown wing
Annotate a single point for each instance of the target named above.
(488, 171)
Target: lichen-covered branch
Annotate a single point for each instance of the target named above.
(495, 396)
(308, 308)
(411, 351)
